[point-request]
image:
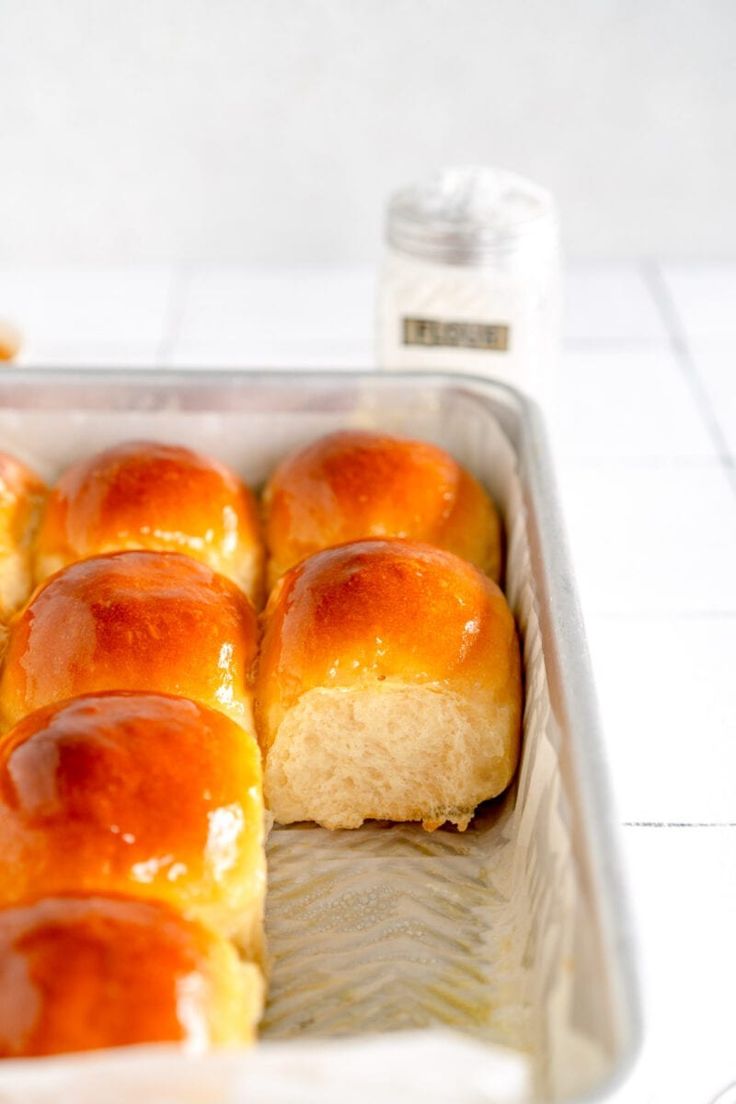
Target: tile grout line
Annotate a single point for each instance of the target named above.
(653, 278)
(678, 824)
(173, 313)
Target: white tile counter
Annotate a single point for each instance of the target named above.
(645, 439)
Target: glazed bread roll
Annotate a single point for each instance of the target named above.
(10, 340)
(154, 621)
(143, 495)
(357, 484)
(21, 498)
(389, 687)
(80, 973)
(137, 794)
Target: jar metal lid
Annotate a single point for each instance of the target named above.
(472, 215)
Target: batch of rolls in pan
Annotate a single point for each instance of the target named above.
(183, 663)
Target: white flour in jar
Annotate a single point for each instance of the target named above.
(470, 279)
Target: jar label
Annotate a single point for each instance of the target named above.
(465, 335)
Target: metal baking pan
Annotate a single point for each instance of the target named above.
(492, 965)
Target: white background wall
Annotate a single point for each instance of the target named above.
(141, 130)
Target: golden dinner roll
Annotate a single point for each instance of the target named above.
(144, 795)
(155, 621)
(144, 495)
(389, 687)
(21, 498)
(11, 340)
(80, 973)
(357, 484)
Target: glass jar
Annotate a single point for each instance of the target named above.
(470, 279)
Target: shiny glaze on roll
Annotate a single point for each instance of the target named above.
(79, 973)
(145, 495)
(139, 794)
(357, 484)
(154, 621)
(374, 610)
